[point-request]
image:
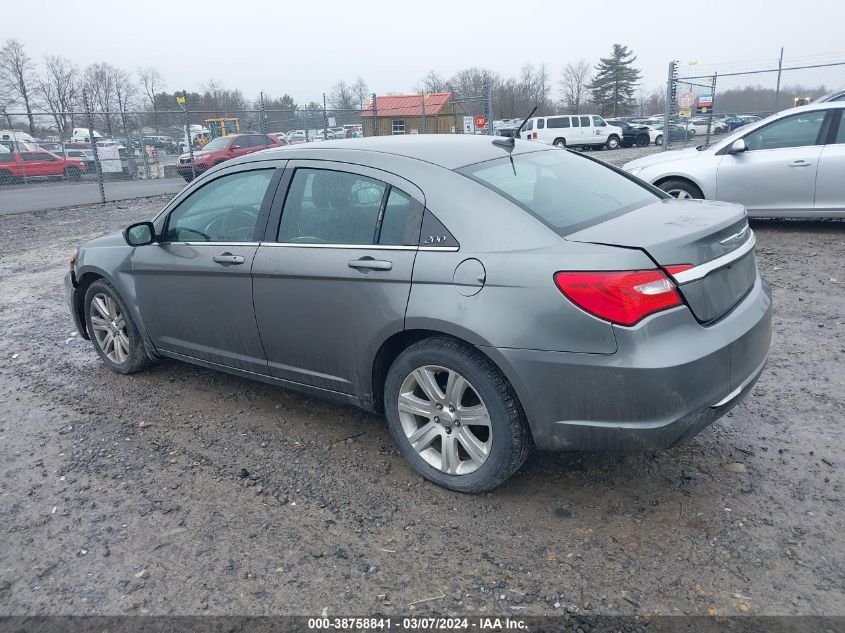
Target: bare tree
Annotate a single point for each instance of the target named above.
(59, 88)
(361, 91)
(342, 96)
(433, 82)
(18, 76)
(534, 86)
(99, 80)
(152, 83)
(125, 90)
(574, 80)
(6, 102)
(471, 82)
(224, 100)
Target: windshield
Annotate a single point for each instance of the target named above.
(564, 190)
(219, 143)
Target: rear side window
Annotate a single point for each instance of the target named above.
(585, 121)
(331, 207)
(541, 123)
(564, 190)
(530, 124)
(575, 122)
(400, 225)
(559, 122)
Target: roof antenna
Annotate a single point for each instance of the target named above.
(509, 142)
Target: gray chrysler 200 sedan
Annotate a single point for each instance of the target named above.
(484, 295)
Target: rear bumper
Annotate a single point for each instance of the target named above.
(670, 378)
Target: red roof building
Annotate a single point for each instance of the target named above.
(426, 113)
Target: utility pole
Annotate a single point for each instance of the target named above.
(670, 102)
(375, 116)
(183, 101)
(325, 119)
(422, 102)
(489, 90)
(780, 71)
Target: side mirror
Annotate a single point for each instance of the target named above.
(236, 146)
(738, 146)
(140, 234)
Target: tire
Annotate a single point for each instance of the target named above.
(6, 177)
(659, 140)
(188, 177)
(642, 140)
(111, 304)
(560, 142)
(72, 173)
(681, 189)
(612, 142)
(500, 445)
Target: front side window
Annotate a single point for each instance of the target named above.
(564, 190)
(798, 130)
(331, 207)
(599, 122)
(221, 142)
(398, 126)
(224, 210)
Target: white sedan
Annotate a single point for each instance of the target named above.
(788, 165)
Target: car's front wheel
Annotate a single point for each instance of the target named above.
(681, 189)
(112, 329)
(454, 417)
(658, 140)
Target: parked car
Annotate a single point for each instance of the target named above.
(631, 134)
(676, 133)
(584, 130)
(734, 123)
(788, 165)
(834, 96)
(222, 149)
(486, 297)
(85, 155)
(39, 164)
(160, 141)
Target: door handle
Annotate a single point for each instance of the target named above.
(228, 258)
(799, 163)
(368, 263)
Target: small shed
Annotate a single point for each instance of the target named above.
(425, 113)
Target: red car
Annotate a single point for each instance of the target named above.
(37, 164)
(223, 148)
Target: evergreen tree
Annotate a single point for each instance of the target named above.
(615, 81)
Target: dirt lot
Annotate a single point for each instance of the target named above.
(182, 491)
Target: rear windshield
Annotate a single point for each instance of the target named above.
(565, 191)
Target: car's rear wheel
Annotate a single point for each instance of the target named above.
(112, 329)
(6, 177)
(72, 173)
(560, 142)
(681, 189)
(642, 140)
(454, 417)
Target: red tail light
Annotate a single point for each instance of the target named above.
(623, 297)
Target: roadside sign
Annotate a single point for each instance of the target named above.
(685, 112)
(705, 99)
(468, 125)
(480, 121)
(180, 99)
(686, 99)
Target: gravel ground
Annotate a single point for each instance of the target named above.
(185, 491)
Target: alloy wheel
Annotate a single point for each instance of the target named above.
(445, 420)
(680, 193)
(109, 327)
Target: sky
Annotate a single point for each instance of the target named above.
(302, 48)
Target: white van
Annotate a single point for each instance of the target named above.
(573, 130)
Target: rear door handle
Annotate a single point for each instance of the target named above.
(228, 258)
(799, 163)
(369, 263)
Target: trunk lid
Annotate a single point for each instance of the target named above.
(712, 237)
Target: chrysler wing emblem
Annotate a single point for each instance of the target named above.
(736, 236)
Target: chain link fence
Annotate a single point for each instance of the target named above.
(705, 102)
